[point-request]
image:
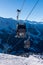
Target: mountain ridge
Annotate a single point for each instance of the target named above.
(8, 29)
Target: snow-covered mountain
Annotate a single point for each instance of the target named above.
(7, 24)
(8, 31)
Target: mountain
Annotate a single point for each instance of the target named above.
(7, 24)
(8, 31)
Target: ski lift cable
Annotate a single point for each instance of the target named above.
(22, 5)
(32, 10)
(20, 10)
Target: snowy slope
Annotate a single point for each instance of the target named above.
(17, 60)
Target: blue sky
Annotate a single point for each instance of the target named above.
(8, 9)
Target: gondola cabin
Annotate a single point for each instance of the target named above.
(21, 30)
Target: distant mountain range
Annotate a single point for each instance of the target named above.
(8, 29)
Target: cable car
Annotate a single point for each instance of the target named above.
(18, 12)
(21, 30)
(21, 33)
